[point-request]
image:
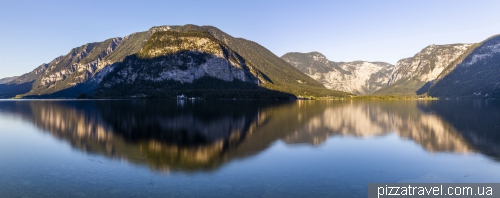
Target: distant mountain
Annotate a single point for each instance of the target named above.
(7, 79)
(73, 73)
(23, 83)
(165, 61)
(415, 75)
(358, 77)
(476, 75)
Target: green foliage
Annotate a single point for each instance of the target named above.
(404, 87)
(205, 87)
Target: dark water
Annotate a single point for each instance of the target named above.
(241, 148)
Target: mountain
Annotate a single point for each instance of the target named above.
(23, 83)
(7, 79)
(164, 61)
(358, 77)
(415, 75)
(75, 72)
(477, 74)
(202, 61)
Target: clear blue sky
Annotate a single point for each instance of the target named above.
(35, 32)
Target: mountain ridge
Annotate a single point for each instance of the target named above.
(357, 77)
(7, 79)
(83, 68)
(203, 61)
(475, 76)
(413, 75)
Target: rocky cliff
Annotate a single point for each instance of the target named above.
(79, 67)
(82, 64)
(415, 75)
(182, 57)
(358, 77)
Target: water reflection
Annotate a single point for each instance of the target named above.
(201, 135)
(478, 122)
(366, 119)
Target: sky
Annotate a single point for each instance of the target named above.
(33, 32)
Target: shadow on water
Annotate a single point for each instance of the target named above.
(204, 135)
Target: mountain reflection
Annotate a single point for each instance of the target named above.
(203, 135)
(366, 119)
(478, 122)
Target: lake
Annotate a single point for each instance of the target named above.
(146, 148)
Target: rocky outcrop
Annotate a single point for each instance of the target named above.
(183, 58)
(415, 75)
(79, 68)
(76, 67)
(358, 77)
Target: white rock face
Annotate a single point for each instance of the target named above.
(189, 59)
(216, 66)
(53, 74)
(363, 77)
(426, 65)
(358, 77)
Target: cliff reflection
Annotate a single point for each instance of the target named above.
(371, 118)
(157, 133)
(194, 136)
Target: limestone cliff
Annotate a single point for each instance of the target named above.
(358, 77)
(414, 75)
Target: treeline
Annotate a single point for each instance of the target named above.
(394, 97)
(205, 88)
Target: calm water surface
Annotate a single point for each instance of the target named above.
(241, 148)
